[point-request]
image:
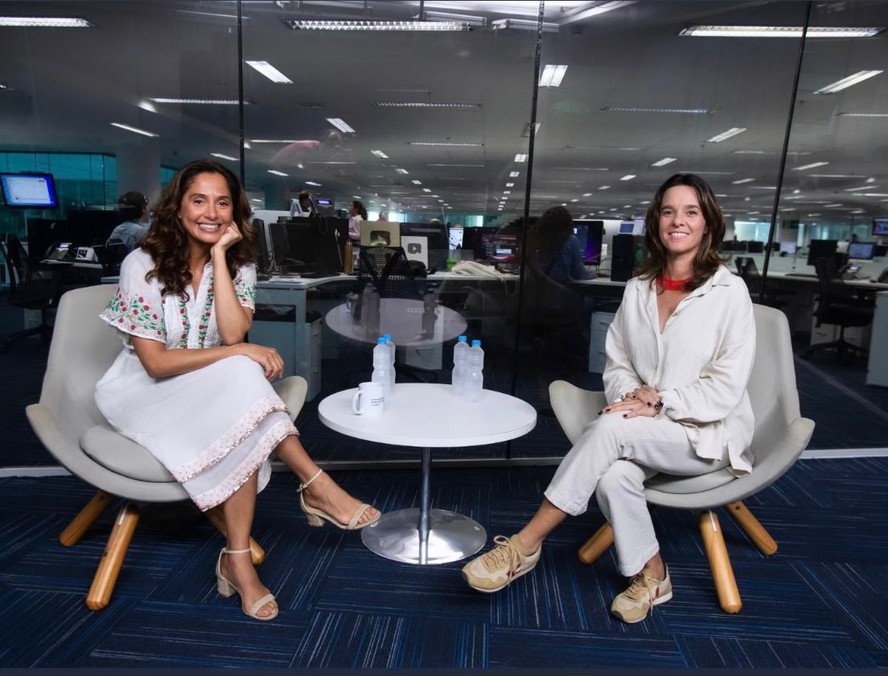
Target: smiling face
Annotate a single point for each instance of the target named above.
(681, 222)
(206, 209)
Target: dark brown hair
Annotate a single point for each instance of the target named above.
(707, 260)
(547, 236)
(167, 242)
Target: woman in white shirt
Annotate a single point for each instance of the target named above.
(188, 388)
(679, 356)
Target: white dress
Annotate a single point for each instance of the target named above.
(211, 428)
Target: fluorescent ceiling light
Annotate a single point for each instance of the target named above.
(427, 190)
(270, 72)
(604, 187)
(523, 24)
(779, 32)
(340, 125)
(419, 104)
(507, 192)
(135, 130)
(274, 140)
(587, 194)
(379, 154)
(470, 19)
(849, 81)
(552, 75)
(810, 166)
(447, 144)
(417, 26)
(664, 161)
(317, 185)
(628, 177)
(44, 22)
(277, 173)
(638, 109)
(875, 194)
(204, 102)
(514, 174)
(415, 181)
(401, 171)
(863, 114)
(520, 157)
(510, 185)
(733, 131)
(225, 157)
(743, 180)
(863, 187)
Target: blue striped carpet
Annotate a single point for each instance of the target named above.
(817, 603)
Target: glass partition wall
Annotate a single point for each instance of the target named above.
(475, 114)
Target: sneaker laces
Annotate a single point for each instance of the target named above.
(641, 588)
(505, 554)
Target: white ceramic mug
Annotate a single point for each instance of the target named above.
(369, 399)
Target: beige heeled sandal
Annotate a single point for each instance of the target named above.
(227, 588)
(316, 517)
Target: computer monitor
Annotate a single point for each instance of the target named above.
(260, 246)
(752, 246)
(309, 246)
(880, 226)
(480, 241)
(591, 235)
(822, 248)
(33, 190)
(861, 251)
(431, 235)
(627, 228)
(788, 248)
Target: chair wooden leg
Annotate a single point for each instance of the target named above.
(597, 544)
(112, 560)
(719, 563)
(86, 518)
(753, 528)
(216, 518)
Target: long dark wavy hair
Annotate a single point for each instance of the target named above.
(707, 260)
(167, 241)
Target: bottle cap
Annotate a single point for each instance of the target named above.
(380, 340)
(476, 343)
(462, 339)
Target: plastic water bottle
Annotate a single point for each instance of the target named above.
(392, 349)
(475, 375)
(381, 366)
(460, 366)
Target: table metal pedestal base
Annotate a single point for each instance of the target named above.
(451, 537)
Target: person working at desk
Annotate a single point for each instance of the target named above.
(679, 356)
(553, 249)
(188, 388)
(133, 206)
(356, 214)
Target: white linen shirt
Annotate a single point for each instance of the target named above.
(700, 363)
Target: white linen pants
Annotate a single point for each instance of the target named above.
(612, 459)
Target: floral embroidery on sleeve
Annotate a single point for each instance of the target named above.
(135, 316)
(245, 288)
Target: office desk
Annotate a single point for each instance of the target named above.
(429, 416)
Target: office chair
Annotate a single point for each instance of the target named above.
(70, 426)
(839, 304)
(111, 255)
(749, 272)
(781, 434)
(31, 287)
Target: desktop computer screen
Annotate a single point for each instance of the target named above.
(861, 251)
(591, 235)
(427, 242)
(312, 246)
(788, 248)
(880, 226)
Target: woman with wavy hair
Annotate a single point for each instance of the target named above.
(188, 388)
(679, 357)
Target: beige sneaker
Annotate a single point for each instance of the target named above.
(644, 592)
(497, 568)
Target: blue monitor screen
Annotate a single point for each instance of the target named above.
(880, 226)
(29, 190)
(862, 251)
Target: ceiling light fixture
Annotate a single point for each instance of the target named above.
(385, 26)
(447, 144)
(202, 102)
(270, 72)
(604, 187)
(134, 130)
(522, 24)
(552, 75)
(401, 171)
(627, 177)
(733, 131)
(225, 157)
(664, 161)
(520, 157)
(813, 165)
(849, 81)
(471, 19)
(316, 185)
(44, 22)
(863, 187)
(743, 180)
(637, 109)
(277, 173)
(779, 32)
(427, 190)
(863, 114)
(415, 181)
(510, 185)
(514, 174)
(273, 140)
(340, 125)
(418, 104)
(379, 154)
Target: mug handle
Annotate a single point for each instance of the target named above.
(356, 406)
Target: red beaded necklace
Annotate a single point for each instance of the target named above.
(670, 284)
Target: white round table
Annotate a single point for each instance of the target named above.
(429, 416)
(404, 319)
